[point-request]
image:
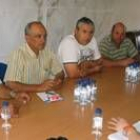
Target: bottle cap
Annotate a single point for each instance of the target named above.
(98, 111)
(5, 103)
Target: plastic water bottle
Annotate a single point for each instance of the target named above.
(97, 123)
(77, 91)
(137, 67)
(85, 91)
(83, 95)
(89, 90)
(93, 91)
(138, 70)
(5, 115)
(127, 73)
(132, 73)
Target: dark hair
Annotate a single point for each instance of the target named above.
(29, 25)
(59, 138)
(84, 20)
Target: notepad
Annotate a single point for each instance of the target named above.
(120, 136)
(50, 96)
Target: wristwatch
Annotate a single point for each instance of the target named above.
(127, 130)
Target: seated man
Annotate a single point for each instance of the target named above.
(32, 68)
(116, 49)
(120, 124)
(79, 52)
(6, 93)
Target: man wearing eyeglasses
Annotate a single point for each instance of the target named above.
(34, 68)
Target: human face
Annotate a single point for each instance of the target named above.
(36, 39)
(118, 34)
(84, 33)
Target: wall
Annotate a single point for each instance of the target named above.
(60, 16)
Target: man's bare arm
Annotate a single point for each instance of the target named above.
(115, 63)
(72, 70)
(31, 88)
(75, 70)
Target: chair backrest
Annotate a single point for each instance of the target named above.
(137, 34)
(131, 36)
(134, 36)
(3, 68)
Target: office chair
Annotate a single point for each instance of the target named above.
(134, 36)
(3, 68)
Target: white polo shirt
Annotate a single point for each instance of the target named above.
(71, 51)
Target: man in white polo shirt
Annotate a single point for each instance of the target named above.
(79, 52)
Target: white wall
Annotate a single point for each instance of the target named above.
(14, 15)
(60, 17)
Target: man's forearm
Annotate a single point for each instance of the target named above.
(94, 69)
(89, 67)
(113, 63)
(91, 70)
(19, 87)
(4, 92)
(110, 63)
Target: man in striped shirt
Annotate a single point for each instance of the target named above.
(116, 49)
(34, 68)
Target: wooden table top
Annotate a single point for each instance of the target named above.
(39, 120)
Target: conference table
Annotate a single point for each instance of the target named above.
(39, 120)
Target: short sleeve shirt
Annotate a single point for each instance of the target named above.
(25, 67)
(71, 51)
(108, 49)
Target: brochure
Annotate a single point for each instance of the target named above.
(50, 96)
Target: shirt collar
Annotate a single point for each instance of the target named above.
(30, 51)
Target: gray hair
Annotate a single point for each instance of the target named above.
(84, 20)
(27, 29)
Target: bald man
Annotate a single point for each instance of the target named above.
(116, 49)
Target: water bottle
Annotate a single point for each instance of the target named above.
(93, 91)
(138, 70)
(131, 73)
(83, 95)
(127, 73)
(77, 90)
(5, 115)
(97, 123)
(89, 89)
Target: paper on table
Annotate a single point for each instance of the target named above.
(49, 96)
(120, 136)
(43, 96)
